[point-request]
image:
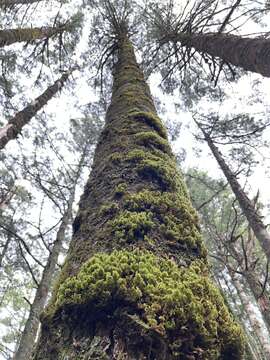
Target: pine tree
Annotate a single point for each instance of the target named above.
(11, 36)
(15, 125)
(135, 283)
(254, 219)
(251, 54)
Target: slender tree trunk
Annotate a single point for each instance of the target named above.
(256, 323)
(253, 346)
(256, 288)
(120, 294)
(251, 54)
(27, 341)
(16, 124)
(5, 248)
(29, 334)
(11, 36)
(10, 3)
(253, 218)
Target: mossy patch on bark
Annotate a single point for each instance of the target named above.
(180, 304)
(151, 119)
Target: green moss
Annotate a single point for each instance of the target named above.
(150, 119)
(179, 304)
(173, 217)
(130, 226)
(109, 209)
(120, 190)
(152, 139)
(135, 155)
(116, 157)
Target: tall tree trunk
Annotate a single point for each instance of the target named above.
(29, 334)
(15, 125)
(253, 346)
(253, 218)
(252, 54)
(255, 321)
(11, 36)
(10, 3)
(5, 248)
(132, 280)
(255, 286)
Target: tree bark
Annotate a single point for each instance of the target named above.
(255, 322)
(255, 286)
(253, 218)
(11, 36)
(134, 216)
(16, 124)
(254, 348)
(251, 54)
(10, 3)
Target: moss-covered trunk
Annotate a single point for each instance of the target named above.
(251, 54)
(135, 283)
(11, 36)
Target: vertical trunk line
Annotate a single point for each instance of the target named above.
(246, 205)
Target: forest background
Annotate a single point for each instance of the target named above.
(44, 169)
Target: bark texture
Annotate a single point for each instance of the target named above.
(256, 323)
(11, 36)
(11, 3)
(15, 125)
(251, 54)
(135, 284)
(255, 286)
(253, 218)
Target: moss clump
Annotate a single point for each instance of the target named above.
(173, 217)
(158, 168)
(135, 155)
(109, 209)
(161, 170)
(116, 158)
(152, 139)
(179, 304)
(150, 119)
(130, 226)
(120, 190)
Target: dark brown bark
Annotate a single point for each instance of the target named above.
(11, 36)
(15, 125)
(251, 54)
(118, 211)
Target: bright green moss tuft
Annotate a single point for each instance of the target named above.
(131, 226)
(152, 139)
(172, 214)
(179, 304)
(150, 119)
(161, 170)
